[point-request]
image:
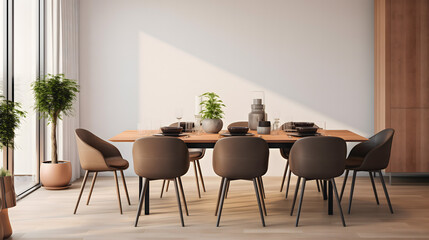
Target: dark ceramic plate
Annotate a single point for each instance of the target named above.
(171, 134)
(306, 130)
(171, 130)
(233, 135)
(303, 134)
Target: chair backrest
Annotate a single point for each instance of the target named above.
(160, 157)
(93, 150)
(318, 157)
(240, 157)
(378, 147)
(239, 124)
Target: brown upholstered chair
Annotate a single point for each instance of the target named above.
(236, 158)
(195, 155)
(239, 124)
(158, 158)
(97, 155)
(320, 158)
(285, 154)
(371, 156)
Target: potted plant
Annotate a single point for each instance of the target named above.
(211, 113)
(7, 200)
(54, 96)
(10, 115)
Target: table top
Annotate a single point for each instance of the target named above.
(278, 137)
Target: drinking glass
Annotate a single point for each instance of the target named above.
(179, 115)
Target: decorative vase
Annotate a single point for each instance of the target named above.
(55, 176)
(7, 200)
(212, 125)
(257, 114)
(6, 228)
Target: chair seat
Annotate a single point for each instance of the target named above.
(117, 162)
(195, 155)
(353, 162)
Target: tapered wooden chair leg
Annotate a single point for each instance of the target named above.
(142, 195)
(117, 191)
(201, 175)
(255, 185)
(222, 199)
(373, 188)
(92, 187)
(295, 195)
(178, 202)
(125, 187)
(219, 194)
(351, 191)
(81, 190)
(183, 196)
(344, 184)
(196, 179)
(284, 176)
(300, 202)
(338, 201)
(385, 191)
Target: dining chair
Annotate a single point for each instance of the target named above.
(261, 185)
(97, 155)
(195, 154)
(321, 158)
(285, 154)
(371, 156)
(159, 158)
(239, 124)
(240, 158)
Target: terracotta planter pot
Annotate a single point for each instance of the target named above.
(55, 176)
(7, 200)
(6, 228)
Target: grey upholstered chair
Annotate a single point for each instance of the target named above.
(236, 158)
(97, 155)
(195, 154)
(313, 158)
(158, 158)
(371, 156)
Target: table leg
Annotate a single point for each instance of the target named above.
(330, 199)
(325, 189)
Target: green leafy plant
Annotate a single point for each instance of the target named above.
(54, 96)
(211, 106)
(10, 119)
(4, 173)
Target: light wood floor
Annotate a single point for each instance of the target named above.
(49, 214)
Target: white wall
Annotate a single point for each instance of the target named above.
(140, 60)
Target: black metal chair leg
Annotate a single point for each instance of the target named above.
(288, 183)
(142, 194)
(338, 201)
(344, 184)
(178, 202)
(385, 191)
(260, 187)
(284, 175)
(300, 202)
(162, 188)
(196, 179)
(227, 188)
(351, 191)
(259, 201)
(219, 194)
(168, 184)
(222, 199)
(296, 193)
(373, 188)
(183, 196)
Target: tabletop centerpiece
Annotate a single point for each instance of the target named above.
(212, 113)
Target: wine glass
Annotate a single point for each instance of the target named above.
(179, 115)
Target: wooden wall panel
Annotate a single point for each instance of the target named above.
(410, 149)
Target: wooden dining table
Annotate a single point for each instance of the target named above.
(277, 139)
